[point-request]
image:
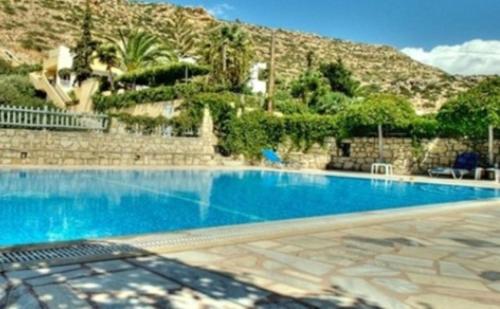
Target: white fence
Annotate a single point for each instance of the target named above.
(45, 118)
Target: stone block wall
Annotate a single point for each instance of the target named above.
(77, 148)
(34, 147)
(407, 157)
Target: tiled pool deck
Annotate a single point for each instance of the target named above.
(441, 257)
(447, 259)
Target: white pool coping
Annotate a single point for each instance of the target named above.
(363, 175)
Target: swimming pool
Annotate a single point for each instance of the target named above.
(39, 206)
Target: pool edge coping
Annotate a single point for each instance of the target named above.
(196, 239)
(237, 168)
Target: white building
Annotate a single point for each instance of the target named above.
(255, 84)
(58, 82)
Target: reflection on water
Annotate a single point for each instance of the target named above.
(41, 206)
(55, 205)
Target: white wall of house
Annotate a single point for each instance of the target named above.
(256, 85)
(64, 61)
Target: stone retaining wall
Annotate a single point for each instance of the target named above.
(407, 157)
(108, 149)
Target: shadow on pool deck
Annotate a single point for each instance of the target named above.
(150, 280)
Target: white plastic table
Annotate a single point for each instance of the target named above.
(496, 173)
(388, 169)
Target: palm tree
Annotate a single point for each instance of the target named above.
(180, 34)
(138, 48)
(228, 51)
(108, 54)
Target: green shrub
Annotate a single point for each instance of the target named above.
(252, 132)
(340, 78)
(309, 129)
(290, 107)
(470, 114)
(134, 97)
(329, 103)
(190, 116)
(144, 124)
(17, 90)
(188, 90)
(23, 69)
(5, 67)
(308, 85)
(163, 75)
(222, 108)
(424, 127)
(362, 118)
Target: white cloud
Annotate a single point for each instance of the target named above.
(220, 10)
(470, 58)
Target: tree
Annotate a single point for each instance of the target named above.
(84, 49)
(472, 112)
(385, 109)
(138, 49)
(377, 111)
(309, 85)
(180, 34)
(340, 78)
(329, 103)
(310, 60)
(108, 54)
(228, 51)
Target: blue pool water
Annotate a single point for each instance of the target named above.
(49, 206)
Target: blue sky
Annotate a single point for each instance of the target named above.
(421, 25)
(400, 23)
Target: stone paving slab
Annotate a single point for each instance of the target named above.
(58, 296)
(447, 261)
(209, 283)
(109, 266)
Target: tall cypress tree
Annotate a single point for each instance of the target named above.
(84, 49)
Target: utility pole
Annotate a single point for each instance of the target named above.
(271, 80)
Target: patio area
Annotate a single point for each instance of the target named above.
(434, 259)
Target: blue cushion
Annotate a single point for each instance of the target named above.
(271, 156)
(467, 161)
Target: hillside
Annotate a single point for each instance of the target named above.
(31, 27)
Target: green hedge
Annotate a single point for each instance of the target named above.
(308, 129)
(252, 132)
(163, 75)
(134, 97)
(424, 127)
(145, 124)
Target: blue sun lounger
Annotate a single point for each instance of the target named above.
(273, 159)
(465, 164)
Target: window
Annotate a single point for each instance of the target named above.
(345, 150)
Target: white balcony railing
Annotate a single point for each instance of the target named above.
(45, 118)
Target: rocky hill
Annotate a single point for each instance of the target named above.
(31, 27)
